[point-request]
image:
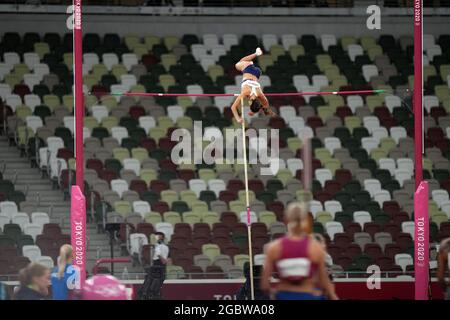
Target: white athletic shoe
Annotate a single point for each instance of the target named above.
(258, 51)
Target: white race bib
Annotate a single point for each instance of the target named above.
(294, 267)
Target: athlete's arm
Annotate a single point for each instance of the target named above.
(268, 267)
(234, 108)
(442, 261)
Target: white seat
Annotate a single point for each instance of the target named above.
(369, 71)
(333, 206)
(218, 51)
(46, 261)
(259, 259)
(253, 217)
(433, 51)
(43, 157)
(408, 227)
(265, 81)
(197, 185)
(296, 124)
(401, 175)
(34, 122)
(175, 112)
(132, 164)
(445, 207)
(141, 207)
(380, 133)
(4, 219)
(294, 164)
(57, 165)
(54, 144)
(323, 175)
(8, 207)
(387, 164)
(129, 60)
(320, 80)
(119, 186)
(332, 143)
(194, 89)
(354, 50)
(288, 40)
(86, 133)
(206, 61)
(405, 163)
(69, 123)
(315, 206)
(328, 40)
(300, 82)
(119, 133)
(147, 122)
(372, 186)
(403, 260)
(381, 196)
(397, 133)
(32, 100)
(210, 40)
(369, 143)
(90, 60)
(33, 229)
(222, 102)
(230, 40)
(14, 101)
(128, 80)
(32, 252)
(354, 102)
(30, 59)
(137, 241)
(362, 217)
(440, 196)
(11, 58)
(269, 40)
(99, 112)
(392, 102)
(4, 70)
(166, 228)
(110, 59)
(118, 88)
(287, 112)
(430, 102)
(5, 90)
(198, 50)
(217, 185)
(41, 70)
(333, 227)
(40, 218)
(232, 89)
(31, 79)
(310, 90)
(305, 133)
(428, 41)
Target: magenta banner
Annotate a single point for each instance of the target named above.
(78, 94)
(421, 241)
(78, 231)
(418, 90)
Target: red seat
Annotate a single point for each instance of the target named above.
(342, 240)
(108, 175)
(297, 101)
(372, 228)
(344, 261)
(195, 272)
(63, 239)
(404, 240)
(334, 251)
(140, 186)
(343, 112)
(314, 122)
(256, 185)
(95, 164)
(400, 217)
(227, 196)
(149, 60)
(221, 229)
(235, 185)
(393, 229)
(158, 186)
(435, 134)
(52, 230)
(231, 250)
(278, 208)
(214, 272)
(352, 228)
(192, 250)
(21, 90)
(183, 229)
(99, 90)
(160, 207)
(322, 196)
(391, 207)
(391, 250)
(343, 176)
(8, 253)
(332, 187)
(443, 144)
(373, 250)
(186, 174)
(148, 143)
(145, 228)
(65, 154)
(201, 230)
(259, 229)
(385, 263)
(137, 111)
(353, 250)
(382, 113)
(437, 112)
(229, 218)
(166, 144)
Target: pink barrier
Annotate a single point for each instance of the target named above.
(78, 231)
(421, 242)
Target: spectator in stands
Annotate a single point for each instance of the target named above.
(161, 254)
(444, 266)
(62, 274)
(34, 282)
(299, 261)
(250, 88)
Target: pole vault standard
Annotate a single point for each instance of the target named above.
(421, 214)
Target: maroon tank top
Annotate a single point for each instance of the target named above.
(294, 264)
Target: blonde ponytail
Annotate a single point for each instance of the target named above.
(65, 255)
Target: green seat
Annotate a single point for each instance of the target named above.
(191, 217)
(267, 217)
(153, 217)
(123, 208)
(211, 251)
(172, 217)
(174, 272)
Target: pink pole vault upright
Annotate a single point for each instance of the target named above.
(78, 231)
(421, 242)
(418, 90)
(79, 98)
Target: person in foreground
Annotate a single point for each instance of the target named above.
(34, 283)
(250, 88)
(299, 261)
(62, 274)
(444, 266)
